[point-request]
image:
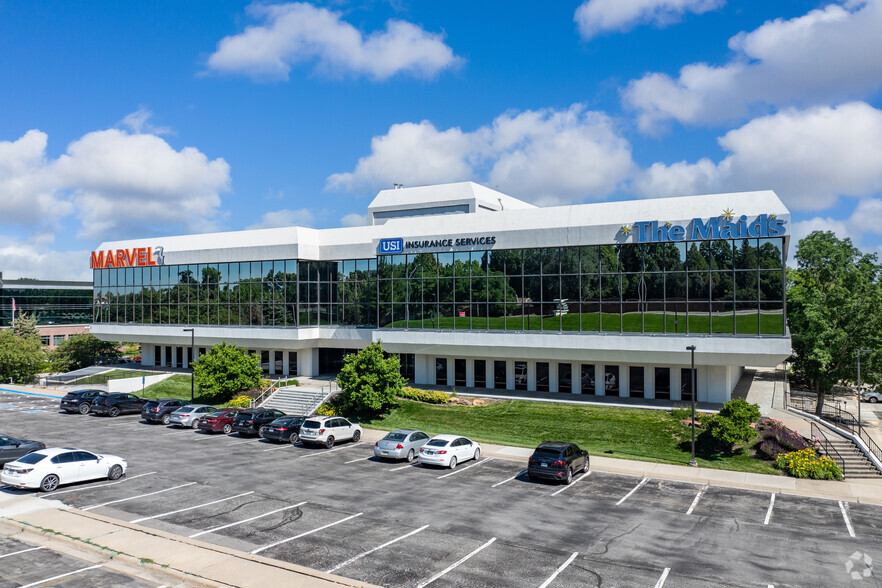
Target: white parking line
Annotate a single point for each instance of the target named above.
(285, 446)
(664, 576)
(213, 529)
(696, 499)
(633, 490)
(126, 479)
(265, 547)
(843, 508)
(453, 566)
(37, 583)
(456, 471)
(330, 450)
(191, 507)
(410, 465)
(770, 509)
(576, 481)
(359, 459)
(172, 433)
(22, 551)
(139, 496)
(508, 479)
(241, 442)
(379, 547)
(559, 570)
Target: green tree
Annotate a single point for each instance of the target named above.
(20, 357)
(732, 424)
(26, 326)
(834, 309)
(81, 351)
(226, 369)
(369, 381)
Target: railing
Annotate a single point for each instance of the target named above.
(871, 445)
(829, 450)
(274, 385)
(94, 379)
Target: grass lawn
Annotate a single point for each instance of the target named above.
(111, 375)
(178, 386)
(647, 435)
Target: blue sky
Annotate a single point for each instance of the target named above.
(133, 120)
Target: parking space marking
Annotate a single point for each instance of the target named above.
(664, 576)
(377, 548)
(770, 509)
(456, 471)
(330, 450)
(522, 472)
(359, 459)
(576, 481)
(633, 490)
(559, 570)
(241, 442)
(697, 498)
(191, 507)
(458, 563)
(410, 465)
(304, 534)
(284, 446)
(22, 551)
(126, 479)
(139, 496)
(843, 507)
(38, 582)
(212, 530)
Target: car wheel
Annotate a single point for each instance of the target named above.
(295, 439)
(228, 428)
(356, 436)
(585, 467)
(194, 423)
(84, 408)
(873, 400)
(330, 442)
(569, 479)
(115, 473)
(452, 463)
(114, 411)
(166, 419)
(410, 456)
(49, 483)
(477, 455)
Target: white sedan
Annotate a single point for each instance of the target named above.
(448, 450)
(46, 469)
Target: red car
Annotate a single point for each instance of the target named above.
(220, 421)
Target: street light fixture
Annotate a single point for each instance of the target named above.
(691, 348)
(859, 353)
(192, 355)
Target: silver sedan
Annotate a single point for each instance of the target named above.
(400, 444)
(188, 416)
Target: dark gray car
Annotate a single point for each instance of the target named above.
(11, 448)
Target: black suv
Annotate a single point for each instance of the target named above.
(159, 411)
(117, 404)
(557, 460)
(249, 422)
(80, 400)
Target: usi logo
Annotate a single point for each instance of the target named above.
(391, 245)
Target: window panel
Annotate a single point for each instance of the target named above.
(550, 261)
(772, 318)
(770, 254)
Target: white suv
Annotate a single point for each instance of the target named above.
(873, 396)
(325, 430)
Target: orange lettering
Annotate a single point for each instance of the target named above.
(131, 257)
(150, 260)
(108, 260)
(120, 258)
(97, 259)
(142, 255)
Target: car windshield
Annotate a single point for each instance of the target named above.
(186, 409)
(438, 443)
(32, 458)
(548, 452)
(395, 437)
(287, 421)
(312, 424)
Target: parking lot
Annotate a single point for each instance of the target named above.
(482, 524)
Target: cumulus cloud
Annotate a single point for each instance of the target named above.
(139, 122)
(33, 259)
(820, 57)
(809, 157)
(300, 32)
(544, 156)
(594, 17)
(285, 218)
(28, 188)
(354, 220)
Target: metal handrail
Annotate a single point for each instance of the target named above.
(871, 445)
(829, 449)
(255, 402)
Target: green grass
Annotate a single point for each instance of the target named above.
(178, 386)
(647, 435)
(111, 375)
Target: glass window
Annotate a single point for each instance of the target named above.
(636, 387)
(500, 370)
(441, 371)
(520, 375)
(611, 380)
(565, 377)
(551, 261)
(480, 373)
(542, 376)
(686, 384)
(663, 383)
(770, 254)
(569, 260)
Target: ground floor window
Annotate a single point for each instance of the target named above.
(179, 356)
(441, 371)
(189, 355)
(542, 373)
(636, 387)
(520, 375)
(278, 362)
(500, 375)
(480, 373)
(686, 385)
(459, 372)
(292, 363)
(265, 361)
(587, 378)
(611, 380)
(663, 383)
(408, 366)
(564, 377)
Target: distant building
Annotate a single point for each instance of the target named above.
(61, 308)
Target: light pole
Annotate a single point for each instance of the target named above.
(691, 348)
(859, 353)
(192, 355)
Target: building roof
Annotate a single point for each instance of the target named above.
(27, 284)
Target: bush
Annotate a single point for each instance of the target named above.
(327, 409)
(787, 439)
(770, 449)
(226, 369)
(681, 414)
(242, 401)
(369, 381)
(428, 396)
(765, 423)
(732, 424)
(808, 464)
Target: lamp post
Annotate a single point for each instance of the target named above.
(691, 349)
(192, 355)
(859, 353)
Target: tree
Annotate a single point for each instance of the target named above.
(81, 351)
(226, 369)
(834, 309)
(732, 424)
(20, 357)
(26, 326)
(369, 381)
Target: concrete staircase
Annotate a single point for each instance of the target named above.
(857, 464)
(297, 399)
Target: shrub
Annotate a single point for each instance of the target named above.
(327, 409)
(765, 424)
(787, 439)
(428, 396)
(770, 449)
(681, 414)
(732, 424)
(808, 464)
(225, 369)
(242, 401)
(369, 381)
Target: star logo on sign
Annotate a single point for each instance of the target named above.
(728, 214)
(626, 230)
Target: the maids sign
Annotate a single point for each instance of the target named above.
(727, 227)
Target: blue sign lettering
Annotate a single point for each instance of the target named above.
(391, 245)
(713, 228)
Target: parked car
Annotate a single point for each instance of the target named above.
(80, 400)
(286, 428)
(400, 444)
(117, 404)
(448, 450)
(160, 410)
(12, 448)
(325, 430)
(220, 421)
(249, 422)
(46, 469)
(557, 460)
(873, 396)
(188, 416)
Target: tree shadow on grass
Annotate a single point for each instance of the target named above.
(709, 449)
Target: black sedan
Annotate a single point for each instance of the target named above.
(557, 460)
(249, 422)
(80, 400)
(11, 448)
(283, 429)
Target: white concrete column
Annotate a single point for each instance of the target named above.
(675, 383)
(649, 381)
(185, 357)
(148, 352)
(531, 376)
(272, 362)
(624, 381)
(552, 377)
(470, 372)
(420, 372)
(509, 374)
(599, 379)
(174, 356)
(576, 375)
(451, 366)
(491, 375)
(307, 362)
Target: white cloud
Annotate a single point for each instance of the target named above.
(285, 218)
(821, 57)
(298, 32)
(139, 122)
(29, 192)
(32, 259)
(809, 157)
(354, 220)
(594, 17)
(543, 156)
